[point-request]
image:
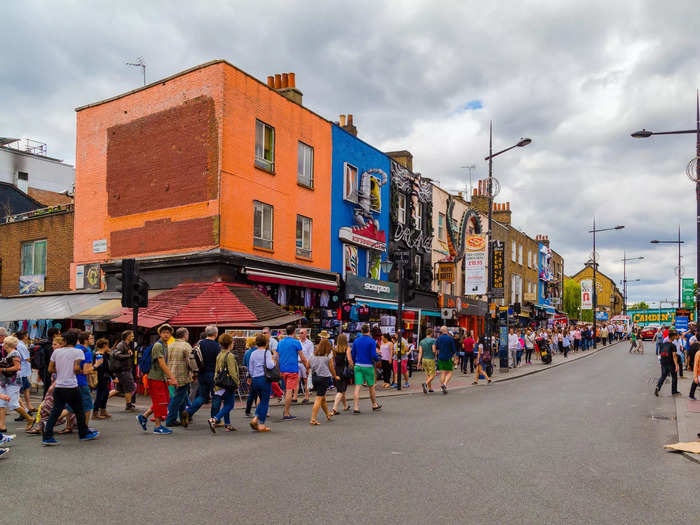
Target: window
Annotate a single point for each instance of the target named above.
(303, 236)
(441, 226)
(417, 268)
(529, 259)
(34, 257)
(264, 146)
(375, 195)
(350, 183)
(262, 225)
(402, 208)
(418, 215)
(305, 165)
(520, 254)
(513, 251)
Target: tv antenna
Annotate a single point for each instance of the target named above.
(139, 63)
(470, 167)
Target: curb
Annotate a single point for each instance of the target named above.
(678, 406)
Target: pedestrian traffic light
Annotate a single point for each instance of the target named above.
(409, 288)
(140, 293)
(128, 279)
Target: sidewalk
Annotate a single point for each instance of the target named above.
(687, 418)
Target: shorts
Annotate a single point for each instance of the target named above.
(446, 365)
(302, 371)
(159, 398)
(12, 390)
(291, 380)
(85, 397)
(321, 385)
(429, 367)
(126, 381)
(404, 366)
(364, 374)
(26, 385)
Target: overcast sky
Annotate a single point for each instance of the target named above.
(576, 77)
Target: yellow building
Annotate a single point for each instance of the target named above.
(609, 296)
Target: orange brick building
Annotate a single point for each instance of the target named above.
(208, 174)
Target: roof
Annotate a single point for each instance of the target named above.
(201, 304)
(49, 198)
(13, 200)
(598, 272)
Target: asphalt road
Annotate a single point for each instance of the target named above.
(575, 444)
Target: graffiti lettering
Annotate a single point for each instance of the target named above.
(413, 238)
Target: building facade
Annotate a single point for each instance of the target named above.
(26, 164)
(609, 296)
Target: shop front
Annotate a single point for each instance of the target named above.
(464, 312)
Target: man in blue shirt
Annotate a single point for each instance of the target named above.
(86, 366)
(363, 357)
(209, 349)
(445, 348)
(290, 353)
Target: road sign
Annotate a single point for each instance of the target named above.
(688, 292)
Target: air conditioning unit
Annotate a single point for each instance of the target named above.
(447, 313)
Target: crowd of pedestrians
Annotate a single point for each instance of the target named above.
(677, 351)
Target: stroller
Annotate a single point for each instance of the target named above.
(544, 350)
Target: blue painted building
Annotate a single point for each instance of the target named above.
(546, 276)
(360, 202)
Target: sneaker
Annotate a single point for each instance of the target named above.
(90, 436)
(49, 442)
(656, 391)
(185, 418)
(444, 389)
(143, 422)
(7, 438)
(425, 388)
(249, 416)
(161, 430)
(692, 397)
(130, 407)
(4, 452)
(406, 385)
(675, 393)
(288, 418)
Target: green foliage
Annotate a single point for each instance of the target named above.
(572, 298)
(586, 316)
(639, 306)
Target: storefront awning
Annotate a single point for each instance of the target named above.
(201, 304)
(430, 313)
(47, 306)
(290, 279)
(107, 310)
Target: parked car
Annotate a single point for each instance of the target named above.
(648, 332)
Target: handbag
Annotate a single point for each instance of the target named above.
(92, 379)
(271, 374)
(223, 378)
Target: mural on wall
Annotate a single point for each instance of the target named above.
(366, 232)
(350, 260)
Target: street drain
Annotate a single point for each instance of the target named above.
(663, 418)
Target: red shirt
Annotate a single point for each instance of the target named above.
(468, 344)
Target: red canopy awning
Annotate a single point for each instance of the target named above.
(201, 304)
(290, 279)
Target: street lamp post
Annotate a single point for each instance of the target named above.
(693, 172)
(624, 279)
(678, 242)
(595, 290)
(523, 142)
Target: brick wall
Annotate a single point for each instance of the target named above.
(58, 230)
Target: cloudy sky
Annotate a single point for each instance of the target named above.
(576, 77)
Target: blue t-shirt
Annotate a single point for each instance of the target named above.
(364, 351)
(82, 380)
(288, 349)
(246, 356)
(210, 349)
(445, 345)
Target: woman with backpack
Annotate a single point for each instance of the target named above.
(343, 373)
(225, 384)
(483, 360)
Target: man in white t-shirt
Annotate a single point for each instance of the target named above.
(307, 348)
(66, 362)
(513, 347)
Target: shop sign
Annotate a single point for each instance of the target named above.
(31, 284)
(475, 265)
(498, 272)
(587, 294)
(663, 316)
(367, 237)
(88, 276)
(413, 238)
(446, 271)
(463, 305)
(688, 295)
(361, 286)
(601, 316)
(681, 323)
(529, 296)
(99, 246)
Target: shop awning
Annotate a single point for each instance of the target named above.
(430, 313)
(107, 310)
(201, 304)
(47, 306)
(290, 279)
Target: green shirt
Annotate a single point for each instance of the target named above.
(427, 347)
(158, 351)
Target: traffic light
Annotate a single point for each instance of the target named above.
(134, 289)
(409, 288)
(128, 279)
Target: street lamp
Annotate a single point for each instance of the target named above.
(678, 242)
(386, 265)
(595, 290)
(693, 172)
(625, 280)
(523, 142)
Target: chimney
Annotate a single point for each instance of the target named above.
(473, 191)
(271, 81)
(502, 212)
(342, 121)
(349, 127)
(285, 85)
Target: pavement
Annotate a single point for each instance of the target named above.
(687, 414)
(577, 443)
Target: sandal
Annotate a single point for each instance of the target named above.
(262, 428)
(253, 425)
(65, 431)
(229, 428)
(356, 412)
(29, 425)
(334, 412)
(346, 409)
(475, 383)
(314, 422)
(212, 424)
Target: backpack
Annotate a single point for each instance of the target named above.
(5, 362)
(665, 349)
(36, 357)
(146, 359)
(196, 361)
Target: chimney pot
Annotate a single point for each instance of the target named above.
(292, 80)
(350, 119)
(479, 191)
(271, 81)
(278, 81)
(508, 205)
(342, 121)
(285, 80)
(474, 191)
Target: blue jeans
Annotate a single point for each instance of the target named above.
(228, 398)
(177, 404)
(206, 385)
(658, 348)
(261, 388)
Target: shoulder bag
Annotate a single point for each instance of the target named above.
(223, 378)
(271, 374)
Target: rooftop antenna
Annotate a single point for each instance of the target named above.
(139, 63)
(470, 167)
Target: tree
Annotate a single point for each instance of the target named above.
(639, 306)
(572, 298)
